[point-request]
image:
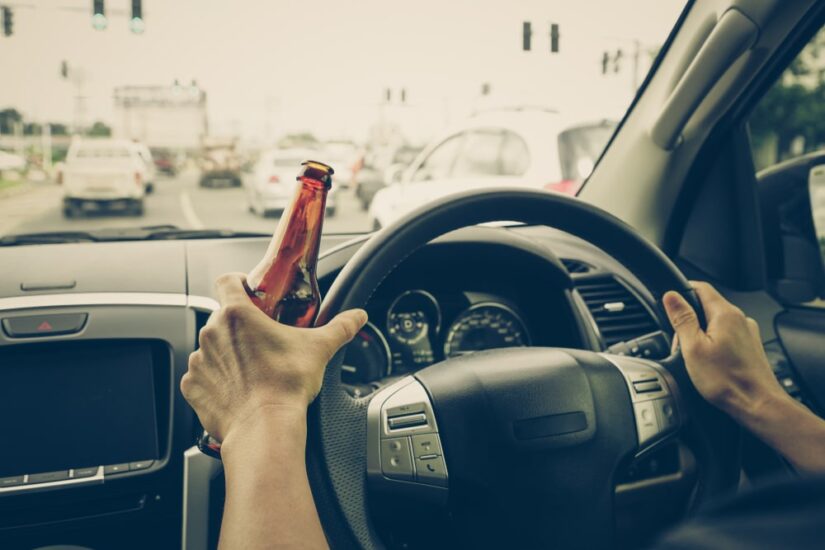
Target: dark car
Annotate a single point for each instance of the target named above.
(374, 175)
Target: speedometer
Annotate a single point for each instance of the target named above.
(483, 326)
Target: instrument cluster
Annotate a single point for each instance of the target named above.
(418, 328)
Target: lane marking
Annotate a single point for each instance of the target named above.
(189, 211)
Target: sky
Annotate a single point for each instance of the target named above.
(271, 67)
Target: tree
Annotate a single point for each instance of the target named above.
(793, 109)
(99, 129)
(8, 118)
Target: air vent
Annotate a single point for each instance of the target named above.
(618, 313)
(576, 266)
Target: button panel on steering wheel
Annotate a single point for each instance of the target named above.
(404, 448)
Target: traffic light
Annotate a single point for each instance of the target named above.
(605, 62)
(8, 21)
(617, 59)
(403, 95)
(554, 38)
(136, 24)
(526, 35)
(64, 69)
(99, 21)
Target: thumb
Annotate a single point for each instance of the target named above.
(342, 328)
(683, 319)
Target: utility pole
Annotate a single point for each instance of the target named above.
(46, 145)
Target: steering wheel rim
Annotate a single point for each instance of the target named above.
(335, 456)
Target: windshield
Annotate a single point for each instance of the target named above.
(141, 119)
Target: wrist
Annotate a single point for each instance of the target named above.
(766, 411)
(265, 427)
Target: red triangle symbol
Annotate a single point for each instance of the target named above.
(44, 326)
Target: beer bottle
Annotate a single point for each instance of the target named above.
(284, 285)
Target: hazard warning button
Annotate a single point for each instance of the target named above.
(44, 325)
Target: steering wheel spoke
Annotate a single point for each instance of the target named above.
(404, 450)
(657, 409)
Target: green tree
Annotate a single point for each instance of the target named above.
(8, 118)
(793, 108)
(99, 129)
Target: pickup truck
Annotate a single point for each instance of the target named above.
(102, 175)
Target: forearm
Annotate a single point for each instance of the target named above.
(268, 500)
(791, 429)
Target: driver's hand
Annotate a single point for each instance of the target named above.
(727, 362)
(247, 362)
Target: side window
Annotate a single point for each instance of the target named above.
(515, 158)
(787, 139)
(789, 120)
(439, 163)
(480, 154)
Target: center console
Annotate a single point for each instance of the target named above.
(87, 392)
(83, 410)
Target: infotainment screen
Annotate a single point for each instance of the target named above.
(76, 405)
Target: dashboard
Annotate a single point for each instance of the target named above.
(112, 330)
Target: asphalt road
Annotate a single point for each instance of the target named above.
(178, 201)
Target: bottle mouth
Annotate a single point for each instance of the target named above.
(318, 171)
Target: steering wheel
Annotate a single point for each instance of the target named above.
(521, 444)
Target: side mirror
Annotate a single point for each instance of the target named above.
(793, 219)
(394, 173)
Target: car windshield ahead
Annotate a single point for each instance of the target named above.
(138, 124)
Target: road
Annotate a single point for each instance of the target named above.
(178, 201)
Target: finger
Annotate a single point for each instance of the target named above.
(713, 303)
(674, 346)
(342, 329)
(231, 289)
(753, 326)
(683, 319)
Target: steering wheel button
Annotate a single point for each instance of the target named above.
(396, 459)
(666, 414)
(408, 421)
(647, 426)
(431, 470)
(647, 387)
(427, 444)
(402, 410)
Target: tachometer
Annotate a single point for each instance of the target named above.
(367, 357)
(483, 326)
(413, 322)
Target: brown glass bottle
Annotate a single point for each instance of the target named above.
(284, 284)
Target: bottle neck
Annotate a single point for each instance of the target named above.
(302, 224)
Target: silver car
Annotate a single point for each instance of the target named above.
(271, 186)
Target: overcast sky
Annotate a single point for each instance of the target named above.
(282, 65)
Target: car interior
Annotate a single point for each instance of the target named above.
(583, 432)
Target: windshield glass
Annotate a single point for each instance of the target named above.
(126, 119)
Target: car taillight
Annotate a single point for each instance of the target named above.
(138, 178)
(565, 187)
(274, 179)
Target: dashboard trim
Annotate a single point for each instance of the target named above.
(161, 299)
(94, 299)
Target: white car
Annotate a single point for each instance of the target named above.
(104, 174)
(271, 187)
(532, 148)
